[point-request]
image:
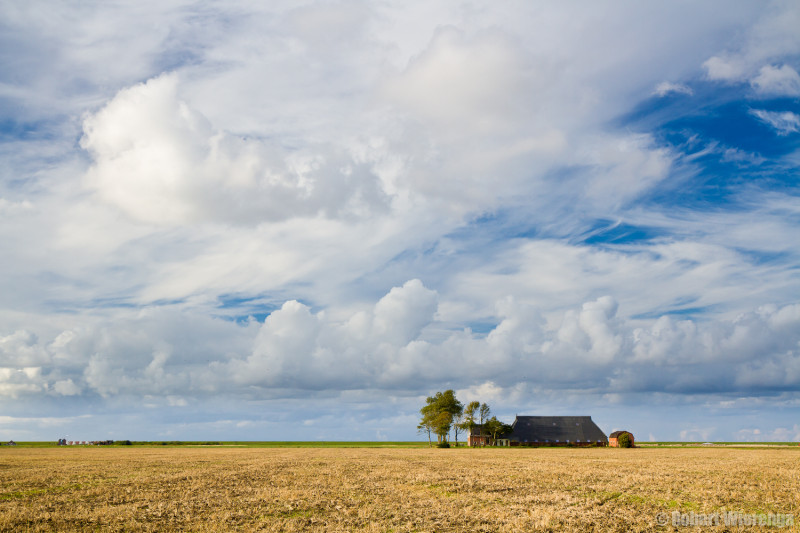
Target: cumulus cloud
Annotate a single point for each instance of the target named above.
(397, 345)
(400, 315)
(66, 387)
(20, 380)
(295, 348)
(784, 81)
(718, 68)
(778, 434)
(483, 392)
(162, 162)
(22, 348)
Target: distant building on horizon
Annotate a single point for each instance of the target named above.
(613, 439)
(545, 431)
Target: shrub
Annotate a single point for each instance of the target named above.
(444, 444)
(624, 441)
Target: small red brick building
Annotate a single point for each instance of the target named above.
(476, 438)
(612, 439)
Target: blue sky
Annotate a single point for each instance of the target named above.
(231, 221)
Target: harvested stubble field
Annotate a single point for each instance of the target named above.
(306, 489)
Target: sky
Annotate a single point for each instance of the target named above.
(297, 220)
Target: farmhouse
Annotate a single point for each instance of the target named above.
(479, 437)
(555, 431)
(613, 438)
(544, 431)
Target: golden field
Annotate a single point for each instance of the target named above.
(363, 489)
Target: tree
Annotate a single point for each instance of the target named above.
(426, 426)
(449, 408)
(468, 418)
(496, 428)
(427, 423)
(484, 413)
(624, 441)
(470, 411)
(438, 414)
(441, 425)
(458, 425)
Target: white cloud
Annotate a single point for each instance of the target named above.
(162, 162)
(595, 320)
(741, 157)
(401, 314)
(778, 434)
(665, 87)
(397, 344)
(695, 434)
(66, 387)
(22, 348)
(459, 83)
(785, 122)
(772, 35)
(622, 169)
(779, 81)
(295, 348)
(7, 206)
(718, 68)
(486, 392)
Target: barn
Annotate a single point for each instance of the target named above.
(544, 431)
(613, 438)
(555, 431)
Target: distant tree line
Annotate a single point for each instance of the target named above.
(444, 414)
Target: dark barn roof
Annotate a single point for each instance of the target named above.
(556, 429)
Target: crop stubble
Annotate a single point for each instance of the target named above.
(330, 489)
